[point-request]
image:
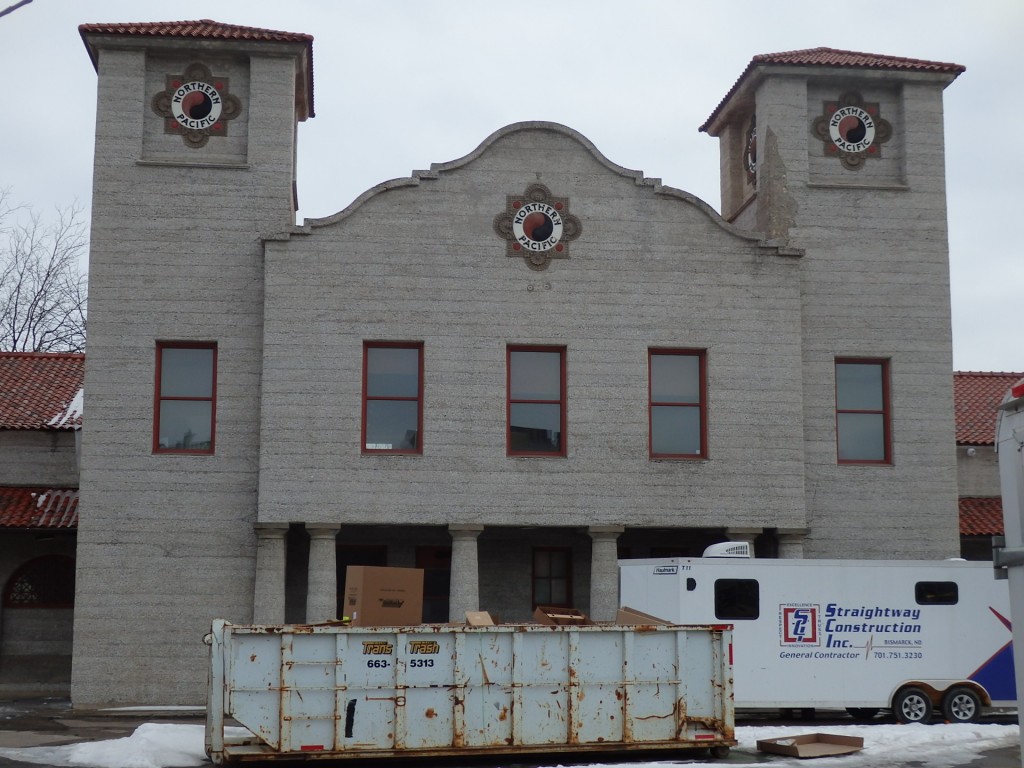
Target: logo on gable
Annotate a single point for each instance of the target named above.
(196, 105)
(537, 226)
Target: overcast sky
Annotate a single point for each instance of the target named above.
(402, 84)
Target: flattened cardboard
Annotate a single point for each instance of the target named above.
(562, 617)
(812, 745)
(383, 597)
(479, 619)
(627, 615)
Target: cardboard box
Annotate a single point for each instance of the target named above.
(550, 614)
(479, 619)
(627, 615)
(383, 597)
(812, 745)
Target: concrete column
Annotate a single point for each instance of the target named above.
(791, 542)
(744, 534)
(268, 600)
(322, 590)
(464, 592)
(604, 571)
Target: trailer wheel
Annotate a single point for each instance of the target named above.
(961, 705)
(862, 713)
(720, 752)
(912, 705)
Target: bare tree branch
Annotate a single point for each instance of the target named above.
(42, 290)
(13, 8)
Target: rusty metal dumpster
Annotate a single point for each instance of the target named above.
(329, 691)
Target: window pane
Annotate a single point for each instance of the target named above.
(737, 599)
(535, 427)
(936, 593)
(861, 436)
(675, 430)
(186, 372)
(535, 376)
(559, 565)
(186, 424)
(392, 372)
(559, 592)
(675, 378)
(391, 425)
(541, 564)
(542, 592)
(859, 387)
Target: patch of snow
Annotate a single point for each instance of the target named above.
(72, 411)
(170, 745)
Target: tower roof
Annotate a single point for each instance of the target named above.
(832, 57)
(204, 29)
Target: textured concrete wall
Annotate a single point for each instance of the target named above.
(35, 457)
(875, 283)
(977, 474)
(423, 263)
(166, 541)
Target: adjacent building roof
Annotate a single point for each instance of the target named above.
(38, 507)
(206, 29)
(981, 516)
(832, 57)
(41, 390)
(977, 397)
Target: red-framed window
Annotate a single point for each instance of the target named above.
(536, 401)
(44, 582)
(863, 411)
(552, 576)
(392, 397)
(677, 397)
(186, 397)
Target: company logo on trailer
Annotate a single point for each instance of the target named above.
(799, 625)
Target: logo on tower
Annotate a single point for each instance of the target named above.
(537, 226)
(852, 130)
(196, 105)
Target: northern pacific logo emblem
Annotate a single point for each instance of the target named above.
(799, 625)
(537, 226)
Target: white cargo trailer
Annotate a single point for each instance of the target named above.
(330, 691)
(861, 635)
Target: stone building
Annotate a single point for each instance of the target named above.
(509, 369)
(40, 422)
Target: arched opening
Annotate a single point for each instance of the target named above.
(37, 624)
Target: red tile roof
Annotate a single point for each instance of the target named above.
(832, 57)
(981, 516)
(977, 397)
(205, 29)
(38, 507)
(41, 390)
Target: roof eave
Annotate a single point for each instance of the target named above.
(741, 95)
(94, 41)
